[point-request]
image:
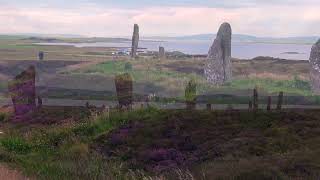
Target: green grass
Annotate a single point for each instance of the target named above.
(295, 86)
(63, 152)
(115, 68)
(175, 81)
(3, 116)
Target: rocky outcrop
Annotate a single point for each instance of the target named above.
(315, 67)
(162, 53)
(135, 41)
(23, 92)
(218, 67)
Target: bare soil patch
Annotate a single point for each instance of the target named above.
(10, 174)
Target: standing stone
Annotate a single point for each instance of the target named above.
(162, 53)
(218, 67)
(314, 61)
(23, 92)
(41, 55)
(135, 41)
(124, 90)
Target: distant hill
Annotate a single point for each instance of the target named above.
(244, 38)
(196, 37)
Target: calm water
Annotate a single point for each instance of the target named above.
(239, 49)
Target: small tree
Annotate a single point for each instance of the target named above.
(191, 94)
(128, 66)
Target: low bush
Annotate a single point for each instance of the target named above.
(16, 145)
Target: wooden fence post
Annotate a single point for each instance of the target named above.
(250, 105)
(280, 101)
(209, 108)
(255, 99)
(269, 103)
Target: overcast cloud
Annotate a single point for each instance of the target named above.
(168, 18)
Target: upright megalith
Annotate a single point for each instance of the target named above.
(22, 90)
(162, 53)
(41, 55)
(124, 89)
(218, 67)
(135, 41)
(314, 61)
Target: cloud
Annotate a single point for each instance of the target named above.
(93, 20)
(165, 3)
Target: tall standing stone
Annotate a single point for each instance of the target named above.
(162, 53)
(314, 61)
(23, 92)
(41, 55)
(218, 67)
(135, 41)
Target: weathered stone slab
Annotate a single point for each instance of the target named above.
(135, 41)
(314, 61)
(41, 55)
(162, 53)
(23, 92)
(124, 89)
(218, 67)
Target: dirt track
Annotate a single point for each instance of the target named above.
(9, 174)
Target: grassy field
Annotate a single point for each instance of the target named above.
(220, 145)
(24, 48)
(74, 143)
(169, 78)
(163, 73)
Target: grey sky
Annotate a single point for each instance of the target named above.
(166, 17)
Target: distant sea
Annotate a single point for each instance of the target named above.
(241, 50)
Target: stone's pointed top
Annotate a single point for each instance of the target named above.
(136, 28)
(225, 29)
(225, 25)
(318, 43)
(23, 92)
(27, 74)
